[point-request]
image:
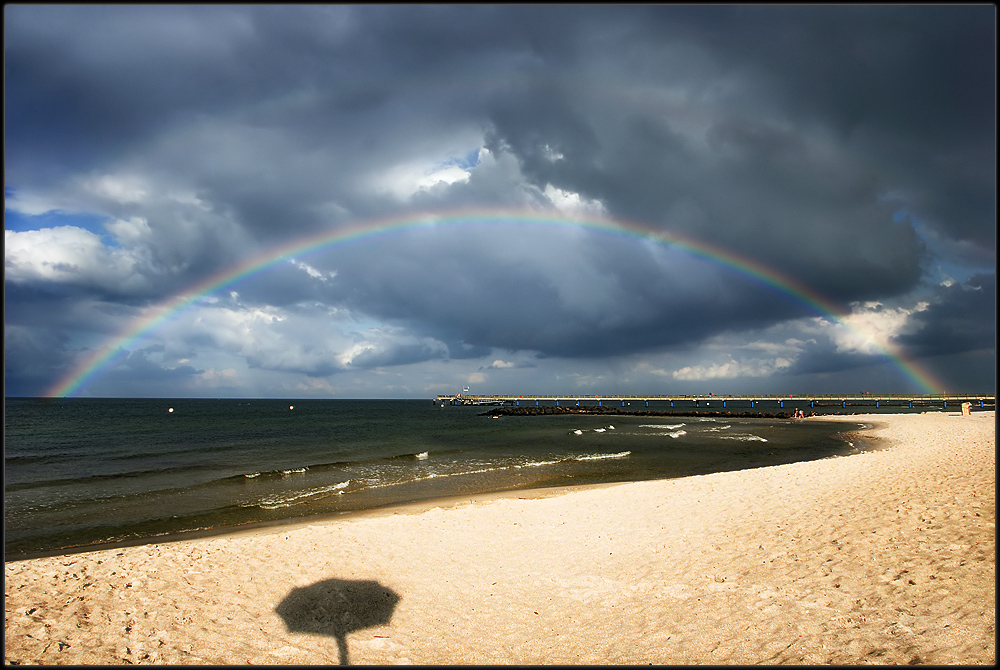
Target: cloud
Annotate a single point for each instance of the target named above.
(962, 317)
(849, 149)
(871, 327)
(730, 369)
(311, 271)
(571, 203)
(67, 255)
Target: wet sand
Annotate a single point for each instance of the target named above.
(884, 557)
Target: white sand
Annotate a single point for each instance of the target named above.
(883, 557)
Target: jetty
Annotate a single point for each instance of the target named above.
(725, 401)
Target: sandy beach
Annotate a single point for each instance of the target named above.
(886, 557)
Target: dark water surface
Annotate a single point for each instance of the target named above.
(85, 471)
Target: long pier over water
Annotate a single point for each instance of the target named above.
(709, 400)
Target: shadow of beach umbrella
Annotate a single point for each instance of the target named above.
(336, 607)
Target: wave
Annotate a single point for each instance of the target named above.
(577, 431)
(193, 468)
(332, 465)
(415, 456)
(598, 457)
(744, 437)
(662, 426)
(278, 502)
(108, 476)
(108, 454)
(289, 486)
(280, 472)
(385, 480)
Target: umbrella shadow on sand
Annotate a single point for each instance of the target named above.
(336, 607)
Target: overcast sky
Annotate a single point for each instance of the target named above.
(850, 149)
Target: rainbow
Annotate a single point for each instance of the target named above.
(90, 368)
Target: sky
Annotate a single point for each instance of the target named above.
(403, 201)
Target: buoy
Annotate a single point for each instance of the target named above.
(171, 409)
(291, 407)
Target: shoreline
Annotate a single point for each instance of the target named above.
(418, 506)
(281, 525)
(886, 556)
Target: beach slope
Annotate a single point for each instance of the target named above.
(883, 557)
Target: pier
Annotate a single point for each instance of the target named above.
(725, 401)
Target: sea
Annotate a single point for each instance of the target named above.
(80, 473)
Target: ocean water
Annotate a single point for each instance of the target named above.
(80, 472)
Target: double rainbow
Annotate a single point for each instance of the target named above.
(92, 367)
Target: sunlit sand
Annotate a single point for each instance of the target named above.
(882, 557)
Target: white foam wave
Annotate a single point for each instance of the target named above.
(743, 438)
(294, 471)
(375, 484)
(252, 475)
(422, 456)
(662, 426)
(535, 464)
(677, 434)
(578, 432)
(277, 502)
(597, 457)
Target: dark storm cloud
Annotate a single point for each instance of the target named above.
(812, 140)
(818, 358)
(91, 81)
(883, 87)
(139, 374)
(962, 318)
(597, 297)
(33, 359)
(914, 84)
